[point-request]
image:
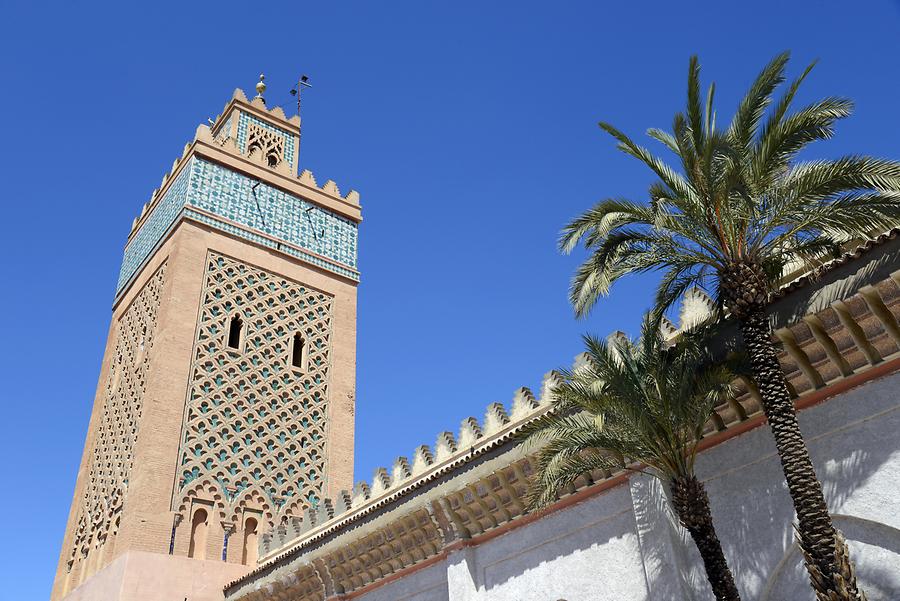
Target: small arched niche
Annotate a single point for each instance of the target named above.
(199, 530)
(249, 553)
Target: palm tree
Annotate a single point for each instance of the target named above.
(739, 211)
(642, 406)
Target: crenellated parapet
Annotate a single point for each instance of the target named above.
(204, 134)
(474, 438)
(827, 344)
(276, 113)
(168, 177)
(359, 538)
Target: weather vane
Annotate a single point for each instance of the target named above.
(303, 82)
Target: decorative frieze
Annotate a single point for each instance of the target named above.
(240, 205)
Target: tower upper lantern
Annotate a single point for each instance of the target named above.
(240, 175)
(266, 137)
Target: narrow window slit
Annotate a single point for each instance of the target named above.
(298, 352)
(234, 332)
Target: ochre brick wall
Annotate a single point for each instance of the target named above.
(154, 502)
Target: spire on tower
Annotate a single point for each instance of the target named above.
(261, 87)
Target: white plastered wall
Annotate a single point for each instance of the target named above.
(623, 544)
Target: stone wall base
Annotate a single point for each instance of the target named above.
(143, 576)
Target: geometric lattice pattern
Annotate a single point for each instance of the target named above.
(265, 144)
(246, 123)
(254, 424)
(117, 430)
(155, 227)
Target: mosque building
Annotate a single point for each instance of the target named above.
(218, 463)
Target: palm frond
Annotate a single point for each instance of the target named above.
(737, 196)
(674, 180)
(818, 180)
(752, 108)
(631, 401)
(694, 110)
(605, 216)
(781, 142)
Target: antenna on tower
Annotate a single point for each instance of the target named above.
(297, 91)
(303, 82)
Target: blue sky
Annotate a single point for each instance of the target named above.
(469, 129)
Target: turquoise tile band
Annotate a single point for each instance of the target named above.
(255, 207)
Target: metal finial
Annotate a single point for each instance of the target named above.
(261, 86)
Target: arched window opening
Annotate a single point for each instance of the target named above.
(298, 352)
(272, 159)
(249, 555)
(114, 377)
(110, 545)
(138, 356)
(199, 527)
(94, 559)
(235, 328)
(82, 567)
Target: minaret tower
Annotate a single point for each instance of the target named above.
(226, 394)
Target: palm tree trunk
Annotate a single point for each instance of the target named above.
(827, 558)
(691, 505)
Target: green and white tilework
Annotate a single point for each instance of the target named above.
(155, 227)
(254, 207)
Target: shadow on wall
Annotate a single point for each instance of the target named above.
(875, 548)
(754, 516)
(567, 554)
(625, 543)
(837, 285)
(665, 546)
(627, 540)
